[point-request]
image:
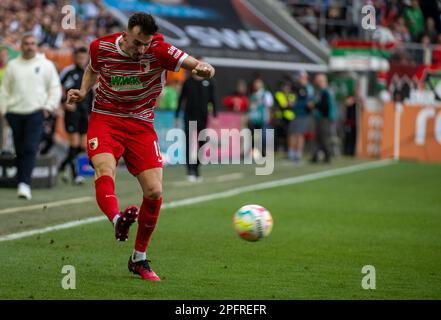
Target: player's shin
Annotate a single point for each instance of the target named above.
(148, 216)
(106, 198)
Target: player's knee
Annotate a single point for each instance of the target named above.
(154, 192)
(104, 170)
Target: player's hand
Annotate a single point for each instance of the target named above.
(177, 123)
(204, 70)
(74, 95)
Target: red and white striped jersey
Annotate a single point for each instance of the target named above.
(129, 88)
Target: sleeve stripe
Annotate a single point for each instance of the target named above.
(181, 60)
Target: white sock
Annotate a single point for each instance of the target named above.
(115, 219)
(138, 256)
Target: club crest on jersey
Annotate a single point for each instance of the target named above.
(145, 65)
(93, 143)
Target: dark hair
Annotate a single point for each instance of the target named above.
(145, 21)
(80, 50)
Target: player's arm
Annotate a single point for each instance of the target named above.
(200, 68)
(89, 80)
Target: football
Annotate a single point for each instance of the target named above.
(253, 222)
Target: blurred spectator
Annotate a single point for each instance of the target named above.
(400, 30)
(170, 96)
(283, 114)
(431, 30)
(86, 9)
(30, 90)
(415, 19)
(325, 113)
(379, 7)
(238, 100)
(302, 110)
(335, 18)
(436, 54)
(392, 10)
(76, 116)
(310, 20)
(3, 61)
(259, 113)
(350, 125)
(196, 96)
(52, 37)
(423, 54)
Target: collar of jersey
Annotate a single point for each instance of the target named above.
(119, 48)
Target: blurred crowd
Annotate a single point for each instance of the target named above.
(403, 20)
(43, 19)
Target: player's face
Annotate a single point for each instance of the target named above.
(136, 42)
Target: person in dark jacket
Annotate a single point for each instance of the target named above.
(325, 114)
(196, 96)
(76, 116)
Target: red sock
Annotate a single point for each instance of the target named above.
(105, 196)
(148, 215)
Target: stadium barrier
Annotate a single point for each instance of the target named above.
(402, 131)
(43, 176)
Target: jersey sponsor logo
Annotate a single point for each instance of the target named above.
(93, 143)
(122, 83)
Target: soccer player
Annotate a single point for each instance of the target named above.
(130, 68)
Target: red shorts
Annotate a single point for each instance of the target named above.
(135, 140)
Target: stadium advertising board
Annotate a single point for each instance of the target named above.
(410, 131)
(230, 32)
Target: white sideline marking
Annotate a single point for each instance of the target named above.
(223, 178)
(44, 206)
(220, 195)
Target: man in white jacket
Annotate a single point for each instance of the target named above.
(29, 92)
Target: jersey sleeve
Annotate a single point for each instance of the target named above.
(93, 53)
(169, 57)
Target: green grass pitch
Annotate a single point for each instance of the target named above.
(324, 232)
